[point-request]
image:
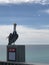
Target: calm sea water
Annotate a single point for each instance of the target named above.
(34, 53)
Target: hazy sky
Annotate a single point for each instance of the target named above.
(32, 17)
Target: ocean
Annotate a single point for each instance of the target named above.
(33, 53)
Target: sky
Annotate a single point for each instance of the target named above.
(32, 18)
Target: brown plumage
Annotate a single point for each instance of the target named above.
(12, 36)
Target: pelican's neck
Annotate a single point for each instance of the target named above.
(14, 27)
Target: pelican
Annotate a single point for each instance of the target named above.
(12, 36)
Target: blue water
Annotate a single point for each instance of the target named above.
(37, 53)
(34, 53)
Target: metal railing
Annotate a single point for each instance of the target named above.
(13, 63)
